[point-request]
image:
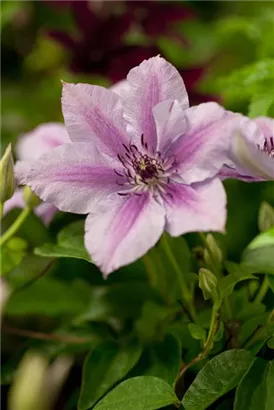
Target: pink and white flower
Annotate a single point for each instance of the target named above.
(251, 151)
(139, 163)
(28, 149)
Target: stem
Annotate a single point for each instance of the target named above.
(150, 268)
(186, 294)
(213, 329)
(44, 336)
(262, 291)
(1, 209)
(15, 226)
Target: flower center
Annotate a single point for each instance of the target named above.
(142, 172)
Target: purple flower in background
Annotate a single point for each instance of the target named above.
(29, 148)
(98, 46)
(251, 151)
(140, 162)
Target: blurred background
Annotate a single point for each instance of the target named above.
(224, 51)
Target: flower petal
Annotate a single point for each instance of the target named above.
(16, 201)
(45, 211)
(199, 207)
(153, 81)
(250, 160)
(43, 138)
(72, 177)
(120, 87)
(266, 125)
(121, 231)
(94, 115)
(170, 123)
(203, 148)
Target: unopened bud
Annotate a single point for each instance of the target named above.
(30, 198)
(208, 283)
(266, 217)
(213, 254)
(7, 176)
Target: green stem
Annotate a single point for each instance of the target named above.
(213, 329)
(15, 226)
(262, 291)
(150, 269)
(1, 210)
(186, 293)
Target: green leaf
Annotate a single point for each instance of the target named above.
(260, 104)
(139, 393)
(70, 244)
(47, 296)
(236, 274)
(105, 366)
(197, 332)
(256, 388)
(164, 359)
(12, 254)
(258, 256)
(220, 375)
(270, 343)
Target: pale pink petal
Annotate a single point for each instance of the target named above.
(16, 201)
(32, 145)
(121, 231)
(72, 177)
(250, 159)
(170, 123)
(267, 126)
(21, 170)
(153, 81)
(120, 87)
(195, 208)
(46, 212)
(94, 115)
(203, 148)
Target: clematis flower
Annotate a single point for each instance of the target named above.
(29, 148)
(139, 163)
(251, 153)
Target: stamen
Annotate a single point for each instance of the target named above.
(118, 173)
(126, 148)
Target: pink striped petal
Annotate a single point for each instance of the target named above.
(32, 145)
(72, 177)
(121, 231)
(195, 208)
(94, 115)
(203, 148)
(153, 81)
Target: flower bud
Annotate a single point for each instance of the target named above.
(266, 217)
(30, 198)
(208, 283)
(7, 176)
(213, 254)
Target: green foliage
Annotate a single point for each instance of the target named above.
(256, 388)
(138, 393)
(12, 254)
(105, 366)
(70, 244)
(220, 375)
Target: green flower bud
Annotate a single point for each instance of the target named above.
(7, 176)
(208, 283)
(30, 198)
(213, 254)
(266, 217)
